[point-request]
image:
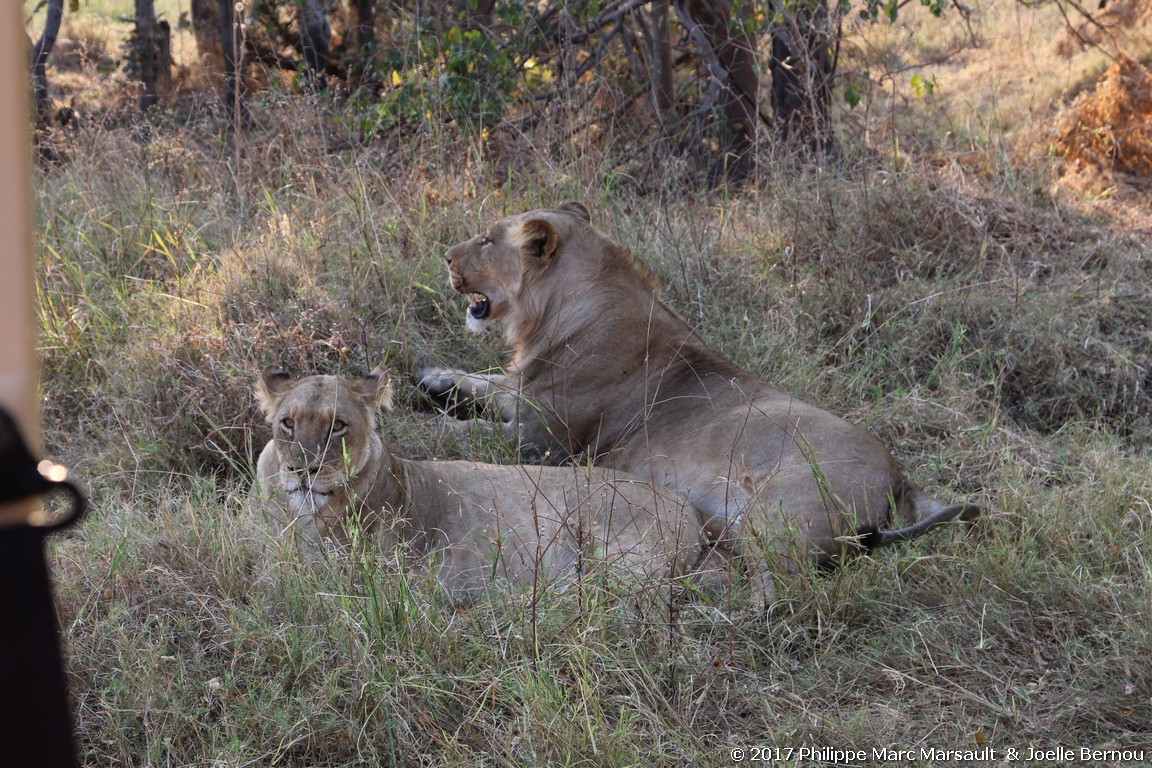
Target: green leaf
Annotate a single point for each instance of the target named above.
(922, 87)
(852, 96)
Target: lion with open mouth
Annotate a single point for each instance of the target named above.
(603, 370)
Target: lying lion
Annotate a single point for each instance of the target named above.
(603, 369)
(326, 466)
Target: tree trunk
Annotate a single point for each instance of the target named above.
(730, 47)
(803, 63)
(477, 14)
(206, 27)
(315, 38)
(39, 57)
(663, 86)
(153, 53)
(362, 73)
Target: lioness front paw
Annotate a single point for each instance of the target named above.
(438, 382)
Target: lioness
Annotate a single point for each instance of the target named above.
(326, 465)
(603, 369)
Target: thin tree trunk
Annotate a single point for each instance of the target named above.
(362, 73)
(40, 53)
(232, 48)
(365, 23)
(728, 33)
(206, 27)
(478, 13)
(315, 37)
(153, 52)
(663, 86)
(803, 63)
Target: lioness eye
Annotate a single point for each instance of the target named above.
(485, 240)
(287, 424)
(338, 426)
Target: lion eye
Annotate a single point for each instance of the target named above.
(485, 240)
(338, 426)
(287, 424)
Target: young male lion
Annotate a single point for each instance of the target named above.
(326, 466)
(602, 368)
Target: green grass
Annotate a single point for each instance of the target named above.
(995, 340)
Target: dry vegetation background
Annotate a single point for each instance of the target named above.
(973, 283)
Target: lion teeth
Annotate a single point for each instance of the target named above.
(478, 306)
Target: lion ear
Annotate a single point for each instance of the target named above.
(274, 381)
(375, 388)
(538, 240)
(576, 209)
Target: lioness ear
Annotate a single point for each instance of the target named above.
(576, 209)
(274, 381)
(375, 388)
(538, 240)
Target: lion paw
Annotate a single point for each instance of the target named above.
(438, 382)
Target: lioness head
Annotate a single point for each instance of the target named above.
(323, 431)
(497, 269)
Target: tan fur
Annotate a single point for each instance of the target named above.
(603, 369)
(478, 521)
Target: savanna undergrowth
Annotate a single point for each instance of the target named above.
(995, 339)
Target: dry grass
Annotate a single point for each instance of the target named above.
(995, 338)
(1104, 137)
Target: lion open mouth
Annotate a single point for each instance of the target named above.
(478, 306)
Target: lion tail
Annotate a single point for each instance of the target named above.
(928, 512)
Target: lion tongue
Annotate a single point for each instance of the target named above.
(478, 306)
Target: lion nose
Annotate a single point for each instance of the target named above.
(300, 465)
(450, 254)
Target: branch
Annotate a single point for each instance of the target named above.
(1104, 29)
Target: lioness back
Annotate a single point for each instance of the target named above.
(520, 523)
